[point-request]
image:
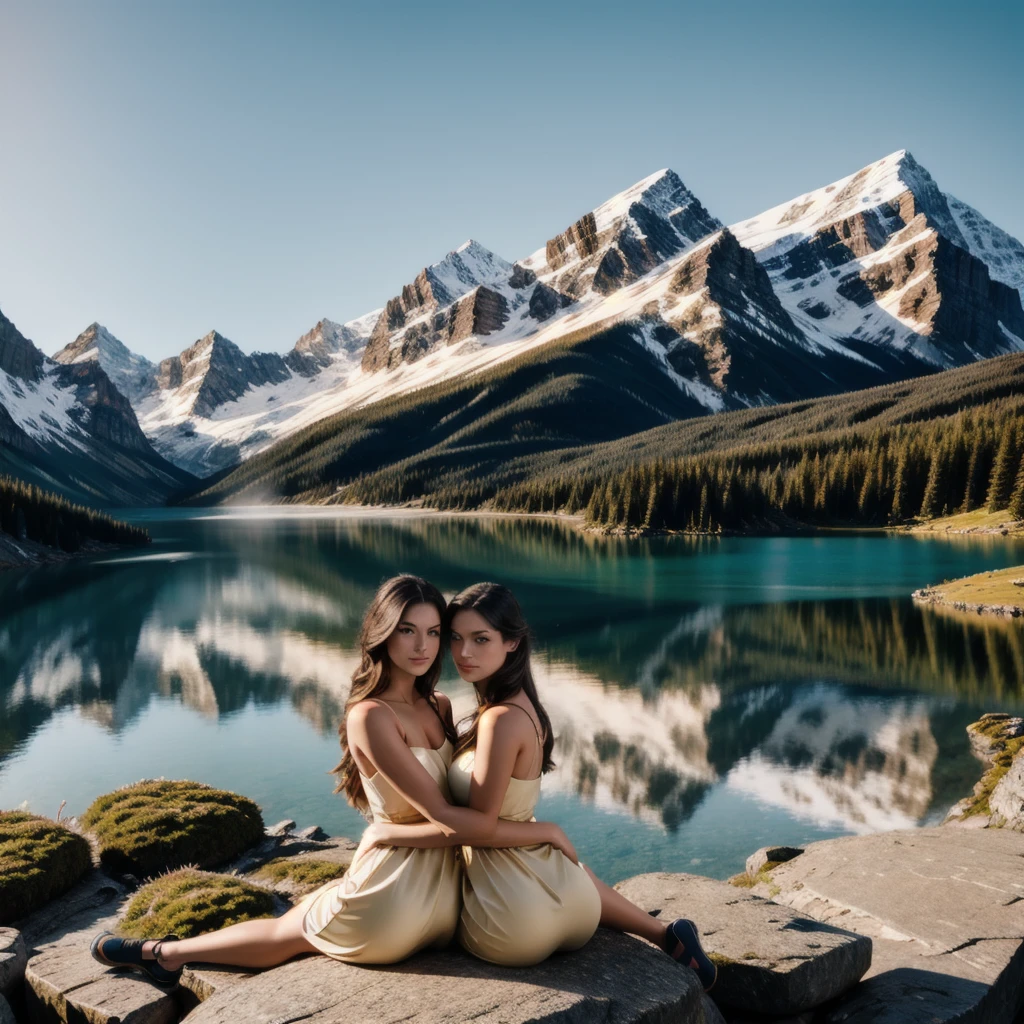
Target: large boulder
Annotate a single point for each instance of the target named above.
(64, 983)
(39, 859)
(159, 825)
(770, 960)
(614, 978)
(13, 958)
(944, 908)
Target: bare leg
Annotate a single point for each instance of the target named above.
(263, 943)
(618, 913)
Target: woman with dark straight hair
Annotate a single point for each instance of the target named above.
(397, 740)
(520, 905)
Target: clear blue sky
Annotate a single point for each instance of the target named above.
(168, 169)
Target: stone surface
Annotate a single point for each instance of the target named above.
(89, 907)
(770, 855)
(281, 828)
(12, 960)
(712, 1014)
(614, 979)
(1007, 799)
(201, 981)
(64, 983)
(292, 844)
(770, 960)
(944, 908)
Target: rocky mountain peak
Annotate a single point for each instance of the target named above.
(133, 375)
(624, 238)
(18, 356)
(436, 287)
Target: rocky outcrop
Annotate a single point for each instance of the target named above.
(64, 983)
(545, 302)
(943, 908)
(770, 960)
(997, 740)
(418, 319)
(13, 958)
(598, 982)
(733, 333)
(133, 375)
(479, 313)
(625, 237)
(216, 371)
(18, 356)
(316, 348)
(102, 410)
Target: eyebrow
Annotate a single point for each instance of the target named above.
(406, 622)
(477, 632)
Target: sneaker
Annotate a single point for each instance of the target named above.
(114, 951)
(683, 944)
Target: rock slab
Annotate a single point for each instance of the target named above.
(64, 983)
(945, 909)
(770, 855)
(614, 979)
(770, 960)
(13, 958)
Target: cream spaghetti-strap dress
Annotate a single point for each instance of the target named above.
(520, 905)
(393, 901)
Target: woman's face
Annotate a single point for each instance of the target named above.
(416, 641)
(478, 648)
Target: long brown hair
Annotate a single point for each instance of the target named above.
(373, 676)
(499, 607)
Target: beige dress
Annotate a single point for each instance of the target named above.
(393, 901)
(520, 905)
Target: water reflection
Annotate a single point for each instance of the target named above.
(670, 673)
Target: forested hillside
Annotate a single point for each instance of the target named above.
(926, 447)
(591, 386)
(30, 514)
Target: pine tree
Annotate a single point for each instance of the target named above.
(1004, 471)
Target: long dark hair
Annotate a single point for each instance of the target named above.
(499, 607)
(373, 676)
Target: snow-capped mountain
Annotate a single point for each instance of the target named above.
(878, 261)
(67, 427)
(873, 278)
(133, 375)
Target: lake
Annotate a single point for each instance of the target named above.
(709, 696)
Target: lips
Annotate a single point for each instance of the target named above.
(464, 667)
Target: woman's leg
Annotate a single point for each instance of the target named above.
(618, 913)
(263, 943)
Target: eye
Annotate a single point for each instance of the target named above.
(482, 640)
(434, 632)
(404, 629)
(455, 636)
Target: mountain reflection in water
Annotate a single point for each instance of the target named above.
(674, 675)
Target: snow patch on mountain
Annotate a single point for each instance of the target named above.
(42, 408)
(1000, 252)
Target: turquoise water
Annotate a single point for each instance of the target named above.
(709, 697)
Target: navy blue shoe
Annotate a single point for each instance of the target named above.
(684, 945)
(112, 950)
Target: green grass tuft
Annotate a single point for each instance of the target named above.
(308, 873)
(39, 860)
(155, 826)
(188, 902)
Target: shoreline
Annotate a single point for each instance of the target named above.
(27, 554)
(999, 592)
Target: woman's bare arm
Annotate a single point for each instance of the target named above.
(373, 731)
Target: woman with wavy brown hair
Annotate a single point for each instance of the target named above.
(397, 739)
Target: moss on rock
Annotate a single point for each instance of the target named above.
(156, 825)
(301, 874)
(189, 902)
(39, 860)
